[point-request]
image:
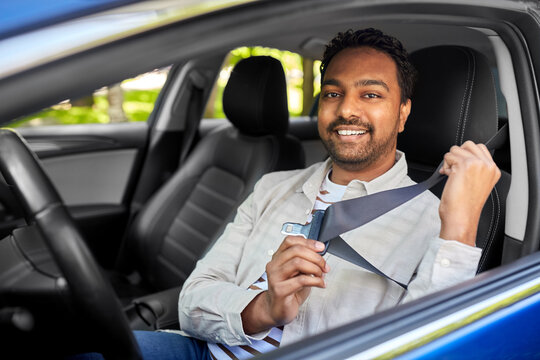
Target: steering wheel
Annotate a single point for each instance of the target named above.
(91, 292)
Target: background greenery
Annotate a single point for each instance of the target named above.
(138, 102)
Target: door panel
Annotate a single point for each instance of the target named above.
(89, 164)
(94, 168)
(91, 177)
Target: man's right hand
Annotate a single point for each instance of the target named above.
(294, 269)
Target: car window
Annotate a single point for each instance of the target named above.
(302, 75)
(128, 101)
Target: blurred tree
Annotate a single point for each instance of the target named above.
(85, 101)
(307, 86)
(115, 97)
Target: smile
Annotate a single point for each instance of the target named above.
(351, 132)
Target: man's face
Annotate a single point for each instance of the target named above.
(360, 112)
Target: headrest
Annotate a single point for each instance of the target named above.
(454, 101)
(255, 98)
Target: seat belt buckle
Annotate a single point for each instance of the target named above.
(307, 231)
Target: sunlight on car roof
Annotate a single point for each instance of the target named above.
(74, 36)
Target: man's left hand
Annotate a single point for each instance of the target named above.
(472, 174)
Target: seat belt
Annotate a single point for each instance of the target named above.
(347, 215)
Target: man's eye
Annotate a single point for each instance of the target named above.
(331, 95)
(371, 96)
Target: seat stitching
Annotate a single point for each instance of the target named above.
(462, 105)
(487, 245)
(180, 248)
(492, 234)
(217, 195)
(189, 227)
(492, 230)
(494, 94)
(470, 91)
(171, 267)
(204, 212)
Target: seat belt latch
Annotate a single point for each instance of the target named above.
(308, 231)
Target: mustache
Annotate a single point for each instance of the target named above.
(355, 122)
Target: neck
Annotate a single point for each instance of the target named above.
(344, 174)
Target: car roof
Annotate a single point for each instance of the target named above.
(27, 15)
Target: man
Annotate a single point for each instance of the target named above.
(255, 290)
(367, 82)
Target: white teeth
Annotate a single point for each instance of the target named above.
(351, 132)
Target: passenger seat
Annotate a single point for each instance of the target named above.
(185, 216)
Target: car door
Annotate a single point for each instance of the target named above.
(105, 165)
(92, 148)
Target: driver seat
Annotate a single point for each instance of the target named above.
(454, 101)
(183, 218)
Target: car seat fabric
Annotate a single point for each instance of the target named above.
(190, 211)
(455, 101)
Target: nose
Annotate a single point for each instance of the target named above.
(349, 107)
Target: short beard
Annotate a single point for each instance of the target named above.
(357, 159)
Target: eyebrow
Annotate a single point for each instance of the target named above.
(369, 82)
(359, 83)
(331, 82)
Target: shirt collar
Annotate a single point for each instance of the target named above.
(389, 180)
(313, 183)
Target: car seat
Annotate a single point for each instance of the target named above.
(185, 216)
(455, 101)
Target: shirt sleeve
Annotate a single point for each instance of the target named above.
(210, 302)
(446, 263)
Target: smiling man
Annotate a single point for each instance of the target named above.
(361, 112)
(255, 289)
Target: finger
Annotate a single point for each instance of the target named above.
(295, 284)
(450, 159)
(297, 266)
(485, 151)
(461, 151)
(300, 247)
(291, 240)
(302, 252)
(475, 155)
(479, 150)
(465, 151)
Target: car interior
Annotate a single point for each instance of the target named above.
(182, 177)
(460, 74)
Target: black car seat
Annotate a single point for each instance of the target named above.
(183, 218)
(455, 101)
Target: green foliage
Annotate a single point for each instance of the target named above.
(137, 105)
(292, 65)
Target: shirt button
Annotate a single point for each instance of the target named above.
(270, 252)
(445, 263)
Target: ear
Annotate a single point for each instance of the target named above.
(404, 111)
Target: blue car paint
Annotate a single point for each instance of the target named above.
(25, 15)
(510, 333)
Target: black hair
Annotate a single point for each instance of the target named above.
(377, 40)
